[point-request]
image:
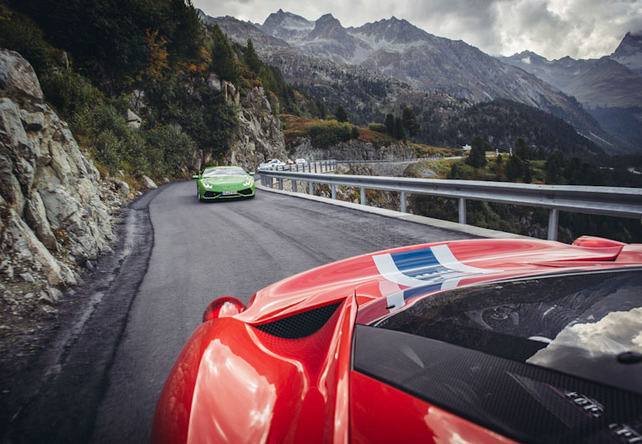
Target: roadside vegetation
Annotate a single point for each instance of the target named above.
(523, 165)
(97, 60)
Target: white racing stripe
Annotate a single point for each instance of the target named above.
(388, 269)
(395, 301)
(447, 259)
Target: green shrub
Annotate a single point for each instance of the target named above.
(108, 150)
(324, 135)
(170, 149)
(378, 127)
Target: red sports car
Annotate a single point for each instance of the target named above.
(466, 341)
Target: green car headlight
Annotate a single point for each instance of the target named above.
(249, 181)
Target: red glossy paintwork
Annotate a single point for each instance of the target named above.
(241, 385)
(507, 256)
(235, 383)
(382, 414)
(222, 308)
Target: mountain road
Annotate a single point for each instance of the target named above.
(104, 371)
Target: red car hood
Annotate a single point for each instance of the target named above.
(385, 275)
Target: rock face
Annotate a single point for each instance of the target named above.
(260, 135)
(55, 212)
(353, 150)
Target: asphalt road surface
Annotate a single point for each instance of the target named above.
(101, 379)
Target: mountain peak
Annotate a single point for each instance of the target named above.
(328, 27)
(327, 18)
(281, 16)
(631, 43)
(629, 52)
(528, 57)
(394, 30)
(286, 25)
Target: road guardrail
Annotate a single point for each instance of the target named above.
(606, 201)
(317, 166)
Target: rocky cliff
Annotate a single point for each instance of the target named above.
(353, 150)
(260, 135)
(56, 212)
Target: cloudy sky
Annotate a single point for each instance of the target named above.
(552, 28)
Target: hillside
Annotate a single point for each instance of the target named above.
(609, 88)
(324, 52)
(147, 89)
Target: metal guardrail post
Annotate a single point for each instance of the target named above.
(334, 191)
(462, 210)
(294, 186)
(315, 167)
(311, 188)
(553, 222)
(363, 196)
(280, 184)
(402, 199)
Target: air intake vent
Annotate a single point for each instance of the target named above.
(300, 325)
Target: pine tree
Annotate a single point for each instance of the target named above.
(355, 133)
(223, 57)
(322, 109)
(390, 124)
(523, 151)
(514, 168)
(477, 156)
(410, 121)
(399, 133)
(251, 58)
(341, 114)
(554, 168)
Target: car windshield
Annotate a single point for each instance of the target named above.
(552, 359)
(578, 323)
(224, 171)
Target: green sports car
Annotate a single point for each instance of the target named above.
(224, 182)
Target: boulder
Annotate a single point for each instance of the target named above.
(148, 183)
(17, 75)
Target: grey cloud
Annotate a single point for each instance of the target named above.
(552, 28)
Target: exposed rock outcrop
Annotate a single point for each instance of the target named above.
(260, 135)
(55, 211)
(353, 150)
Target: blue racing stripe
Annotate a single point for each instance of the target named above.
(419, 264)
